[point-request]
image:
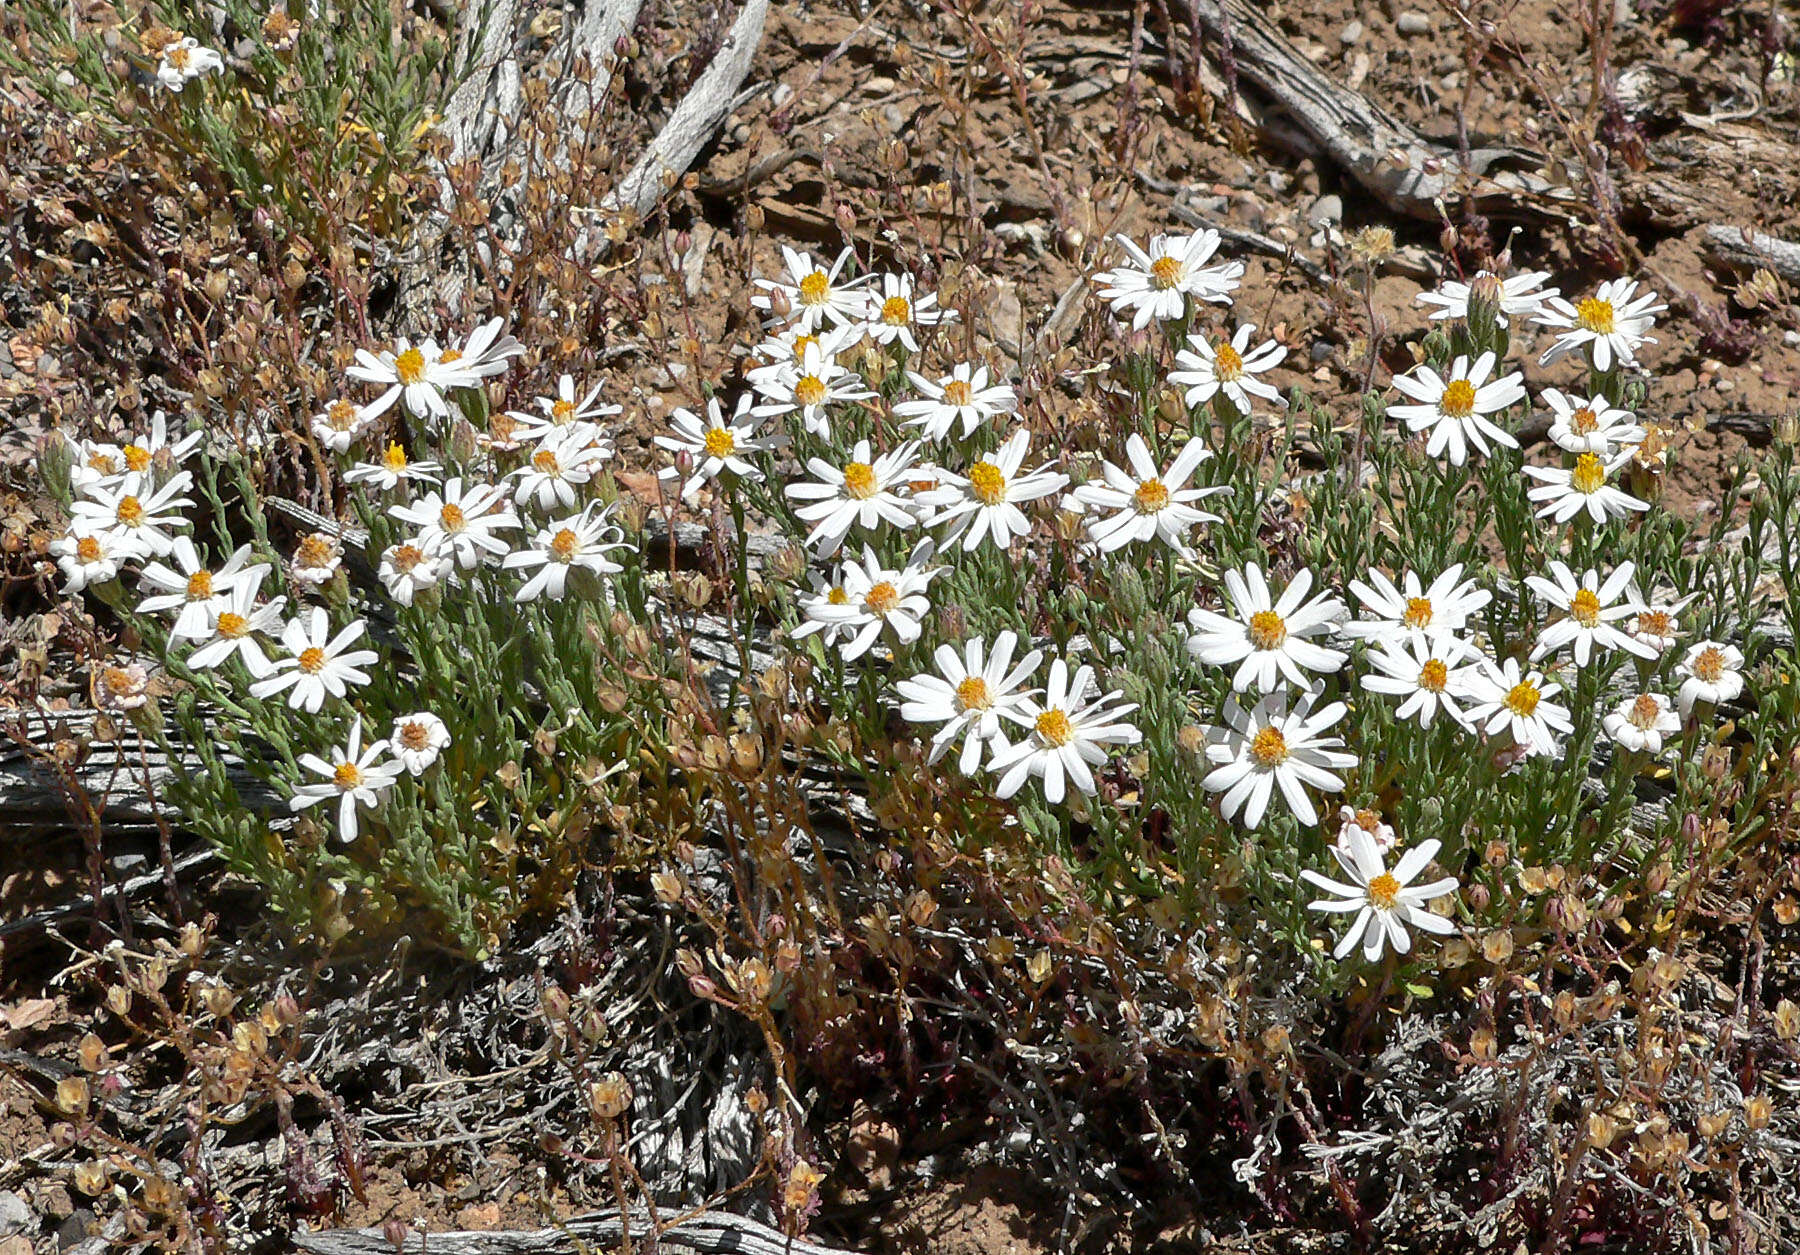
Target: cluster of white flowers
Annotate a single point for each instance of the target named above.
(185, 59)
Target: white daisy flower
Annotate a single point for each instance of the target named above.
(963, 396)
(810, 385)
(985, 502)
(235, 625)
(485, 353)
(1589, 424)
(339, 424)
(1267, 747)
(417, 740)
(1658, 624)
(1230, 366)
(824, 593)
(1266, 637)
(464, 517)
(1641, 723)
(411, 373)
(351, 778)
(1505, 699)
(1144, 503)
(1712, 673)
(1446, 605)
(579, 543)
(1070, 736)
(1455, 410)
(1566, 492)
(1155, 282)
(876, 597)
(895, 312)
(813, 295)
(1428, 670)
(145, 519)
(974, 692)
(318, 558)
(411, 566)
(90, 556)
(190, 588)
(393, 469)
(860, 494)
(1386, 903)
(318, 665)
(564, 461)
(141, 453)
(715, 446)
(186, 60)
(1521, 295)
(562, 410)
(93, 464)
(1591, 608)
(1614, 322)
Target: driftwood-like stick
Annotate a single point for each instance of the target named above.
(715, 1232)
(701, 112)
(603, 24)
(1740, 246)
(484, 109)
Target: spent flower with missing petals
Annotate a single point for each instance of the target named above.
(392, 470)
(1583, 488)
(1228, 367)
(351, 777)
(185, 60)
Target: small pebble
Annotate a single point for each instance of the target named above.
(1326, 210)
(1351, 34)
(1413, 22)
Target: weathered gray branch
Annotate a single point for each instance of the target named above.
(715, 1233)
(1740, 246)
(603, 24)
(484, 109)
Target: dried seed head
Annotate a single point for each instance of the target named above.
(610, 1096)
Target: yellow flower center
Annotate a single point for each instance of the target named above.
(340, 414)
(199, 586)
(1458, 400)
(452, 518)
(414, 735)
(179, 55)
(137, 458)
(1228, 365)
(1583, 421)
(1644, 712)
(233, 626)
(1584, 607)
(1434, 675)
(1151, 496)
(958, 393)
(1418, 612)
(1368, 820)
(1589, 474)
(720, 443)
(131, 511)
(312, 660)
(564, 544)
(103, 462)
(119, 682)
(1655, 623)
(859, 480)
(801, 344)
(561, 412)
(1595, 315)
(502, 426)
(1054, 727)
(1268, 630)
(1384, 891)
(988, 483)
(881, 599)
(1165, 273)
(409, 367)
(395, 458)
(972, 694)
(450, 355)
(837, 597)
(347, 776)
(545, 461)
(406, 557)
(316, 551)
(1523, 699)
(1709, 665)
(810, 390)
(896, 311)
(88, 549)
(1268, 747)
(815, 288)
